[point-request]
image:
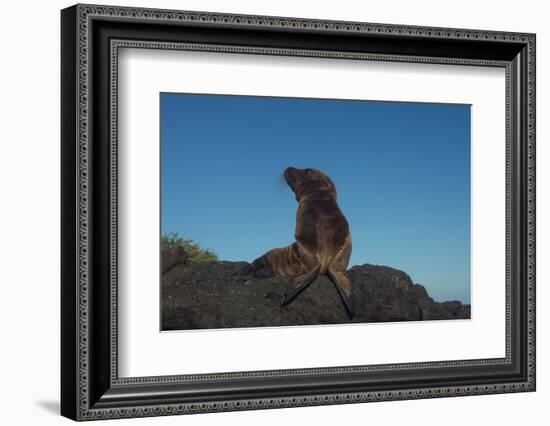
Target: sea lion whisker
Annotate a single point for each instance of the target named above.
(283, 184)
(279, 185)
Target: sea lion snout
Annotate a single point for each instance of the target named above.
(291, 178)
(290, 174)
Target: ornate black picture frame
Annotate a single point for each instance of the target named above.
(91, 387)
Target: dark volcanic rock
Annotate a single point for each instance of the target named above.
(172, 256)
(214, 295)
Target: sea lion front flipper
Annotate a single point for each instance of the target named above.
(295, 287)
(343, 286)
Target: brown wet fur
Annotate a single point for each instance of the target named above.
(323, 239)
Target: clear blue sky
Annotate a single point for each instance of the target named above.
(402, 172)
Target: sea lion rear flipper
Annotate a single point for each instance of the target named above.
(259, 268)
(296, 287)
(343, 286)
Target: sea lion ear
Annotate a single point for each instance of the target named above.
(331, 186)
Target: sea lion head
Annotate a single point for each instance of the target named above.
(305, 182)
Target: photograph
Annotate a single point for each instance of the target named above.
(282, 211)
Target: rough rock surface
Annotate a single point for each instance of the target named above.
(172, 256)
(215, 295)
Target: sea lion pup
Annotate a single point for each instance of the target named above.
(323, 239)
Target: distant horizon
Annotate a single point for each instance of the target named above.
(402, 173)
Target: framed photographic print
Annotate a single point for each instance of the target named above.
(263, 212)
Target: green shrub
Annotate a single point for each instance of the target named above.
(195, 253)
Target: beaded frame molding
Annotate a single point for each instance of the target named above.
(91, 38)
